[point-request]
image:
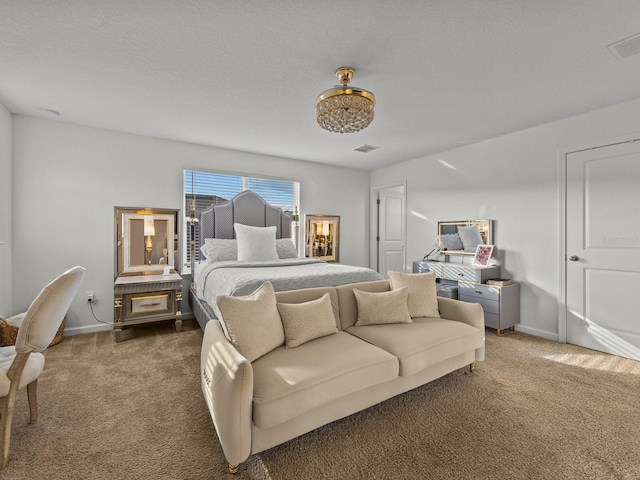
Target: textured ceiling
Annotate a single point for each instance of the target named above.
(245, 74)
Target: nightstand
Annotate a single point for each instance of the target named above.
(142, 299)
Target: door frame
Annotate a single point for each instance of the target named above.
(373, 243)
(562, 175)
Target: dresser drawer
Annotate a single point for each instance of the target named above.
(489, 306)
(149, 304)
(426, 267)
(460, 273)
(479, 291)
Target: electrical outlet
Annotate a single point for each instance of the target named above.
(91, 297)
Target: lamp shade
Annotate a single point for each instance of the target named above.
(149, 226)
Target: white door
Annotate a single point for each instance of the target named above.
(603, 249)
(391, 218)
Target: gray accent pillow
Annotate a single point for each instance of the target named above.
(451, 241)
(422, 298)
(252, 323)
(382, 307)
(286, 248)
(219, 250)
(470, 237)
(306, 321)
(255, 244)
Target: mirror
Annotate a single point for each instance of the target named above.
(323, 237)
(146, 240)
(462, 237)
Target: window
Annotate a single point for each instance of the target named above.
(214, 188)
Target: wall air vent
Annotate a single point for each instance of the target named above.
(365, 148)
(626, 48)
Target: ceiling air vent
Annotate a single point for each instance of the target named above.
(626, 48)
(365, 148)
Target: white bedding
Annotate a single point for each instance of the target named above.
(242, 278)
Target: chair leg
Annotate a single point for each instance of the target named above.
(33, 401)
(8, 406)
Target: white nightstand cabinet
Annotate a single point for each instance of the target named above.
(501, 304)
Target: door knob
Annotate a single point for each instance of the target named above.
(574, 258)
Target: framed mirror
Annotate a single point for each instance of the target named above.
(463, 236)
(146, 240)
(323, 237)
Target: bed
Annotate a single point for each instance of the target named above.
(223, 274)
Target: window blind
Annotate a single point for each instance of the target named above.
(214, 188)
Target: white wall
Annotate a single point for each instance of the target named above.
(513, 180)
(5, 212)
(69, 178)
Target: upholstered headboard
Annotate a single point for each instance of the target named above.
(247, 208)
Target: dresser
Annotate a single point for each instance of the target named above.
(501, 304)
(142, 299)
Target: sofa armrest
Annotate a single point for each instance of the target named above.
(469, 313)
(226, 378)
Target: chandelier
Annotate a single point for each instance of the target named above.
(344, 109)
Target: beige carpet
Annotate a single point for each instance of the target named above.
(534, 410)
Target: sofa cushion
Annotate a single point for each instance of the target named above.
(422, 343)
(423, 298)
(252, 323)
(306, 321)
(377, 308)
(290, 382)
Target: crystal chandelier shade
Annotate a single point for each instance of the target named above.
(344, 109)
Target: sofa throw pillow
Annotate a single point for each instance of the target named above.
(470, 237)
(377, 308)
(422, 299)
(219, 250)
(252, 323)
(255, 244)
(286, 248)
(306, 321)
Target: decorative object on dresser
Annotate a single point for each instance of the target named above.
(483, 255)
(501, 304)
(147, 287)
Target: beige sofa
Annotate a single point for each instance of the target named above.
(291, 391)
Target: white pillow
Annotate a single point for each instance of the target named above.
(286, 248)
(219, 249)
(255, 244)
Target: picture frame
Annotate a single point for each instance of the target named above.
(323, 237)
(483, 255)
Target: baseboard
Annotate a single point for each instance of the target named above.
(537, 332)
(70, 331)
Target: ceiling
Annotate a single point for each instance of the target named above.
(244, 75)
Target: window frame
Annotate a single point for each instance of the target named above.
(195, 189)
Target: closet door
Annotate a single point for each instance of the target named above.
(603, 249)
